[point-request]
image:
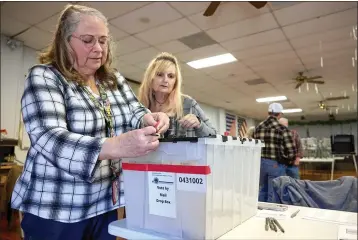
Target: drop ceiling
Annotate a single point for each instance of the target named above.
(271, 44)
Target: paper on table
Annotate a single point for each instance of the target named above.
(347, 233)
(331, 216)
(271, 213)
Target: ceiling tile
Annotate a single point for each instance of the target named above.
(254, 40)
(129, 44)
(245, 27)
(135, 76)
(309, 10)
(324, 37)
(49, 24)
(167, 32)
(115, 9)
(147, 17)
(227, 12)
(321, 24)
(238, 82)
(336, 55)
(125, 68)
(140, 56)
(39, 11)
(228, 70)
(189, 8)
(197, 81)
(263, 50)
(172, 47)
(278, 5)
(189, 72)
(35, 38)
(116, 33)
(276, 68)
(282, 56)
(10, 26)
(328, 47)
(203, 52)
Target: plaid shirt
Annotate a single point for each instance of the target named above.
(63, 179)
(279, 143)
(190, 106)
(298, 144)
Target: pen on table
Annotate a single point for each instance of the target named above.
(267, 224)
(272, 225)
(295, 213)
(278, 225)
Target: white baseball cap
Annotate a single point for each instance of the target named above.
(275, 108)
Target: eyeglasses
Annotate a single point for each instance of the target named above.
(90, 40)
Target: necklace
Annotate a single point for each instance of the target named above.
(160, 104)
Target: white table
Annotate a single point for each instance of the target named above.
(321, 160)
(254, 228)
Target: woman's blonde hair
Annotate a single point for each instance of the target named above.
(174, 104)
(59, 52)
(250, 132)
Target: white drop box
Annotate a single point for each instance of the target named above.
(194, 188)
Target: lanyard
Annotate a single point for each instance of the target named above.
(107, 114)
(105, 108)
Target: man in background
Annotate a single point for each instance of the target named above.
(293, 170)
(279, 151)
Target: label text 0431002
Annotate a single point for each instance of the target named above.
(191, 180)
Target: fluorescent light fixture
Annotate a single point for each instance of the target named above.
(212, 61)
(292, 110)
(271, 99)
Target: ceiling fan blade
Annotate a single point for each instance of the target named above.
(315, 81)
(211, 9)
(337, 98)
(314, 77)
(258, 4)
(298, 85)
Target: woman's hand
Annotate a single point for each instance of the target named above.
(135, 143)
(158, 120)
(189, 121)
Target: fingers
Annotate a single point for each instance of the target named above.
(150, 130)
(149, 120)
(152, 146)
(163, 123)
(189, 121)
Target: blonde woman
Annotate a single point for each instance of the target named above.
(250, 132)
(161, 91)
(82, 118)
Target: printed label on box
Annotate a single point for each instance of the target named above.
(191, 182)
(162, 201)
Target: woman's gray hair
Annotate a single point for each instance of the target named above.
(71, 21)
(60, 54)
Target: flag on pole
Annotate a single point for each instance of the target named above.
(242, 126)
(231, 124)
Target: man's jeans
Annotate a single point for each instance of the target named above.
(293, 172)
(270, 169)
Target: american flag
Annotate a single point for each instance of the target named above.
(241, 126)
(231, 124)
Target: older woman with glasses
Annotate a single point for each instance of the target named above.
(161, 91)
(82, 118)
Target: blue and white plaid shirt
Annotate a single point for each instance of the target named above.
(63, 179)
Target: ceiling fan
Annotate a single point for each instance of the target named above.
(301, 79)
(214, 5)
(324, 106)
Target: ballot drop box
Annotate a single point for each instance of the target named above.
(193, 188)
